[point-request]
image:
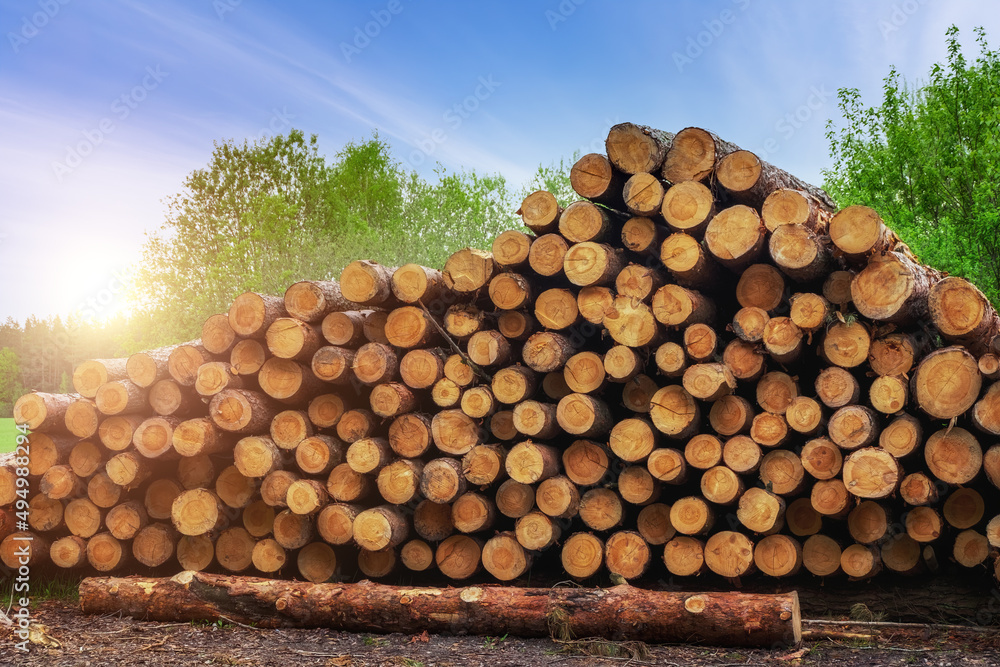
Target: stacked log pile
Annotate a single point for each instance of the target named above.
(701, 365)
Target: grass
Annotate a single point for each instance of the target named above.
(65, 587)
(8, 434)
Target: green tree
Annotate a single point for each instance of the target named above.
(555, 179)
(10, 381)
(928, 159)
(264, 215)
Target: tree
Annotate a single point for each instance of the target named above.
(10, 381)
(555, 179)
(928, 159)
(264, 215)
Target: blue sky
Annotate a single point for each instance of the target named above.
(106, 105)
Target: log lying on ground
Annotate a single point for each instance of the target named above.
(620, 613)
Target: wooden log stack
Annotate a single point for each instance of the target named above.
(700, 366)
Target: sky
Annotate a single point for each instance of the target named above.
(107, 105)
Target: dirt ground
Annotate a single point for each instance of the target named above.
(86, 641)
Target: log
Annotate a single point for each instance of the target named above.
(778, 556)
(749, 180)
(749, 322)
(871, 472)
(468, 270)
(547, 254)
(821, 555)
(85, 458)
(593, 177)
(411, 326)
(858, 232)
(736, 237)
(821, 458)
(326, 410)
(627, 554)
(511, 248)
(729, 554)
(694, 154)
(639, 281)
(964, 508)
(947, 382)
(853, 427)
(91, 374)
(242, 412)
(688, 207)
(691, 515)
(689, 263)
(893, 288)
(794, 207)
(674, 412)
(216, 335)
(643, 236)
(836, 387)
(894, 354)
(670, 360)
(924, 524)
(556, 309)
(588, 264)
(837, 288)
(105, 553)
(622, 612)
(247, 356)
(800, 253)
(635, 149)
(676, 306)
(312, 300)
(116, 433)
(760, 286)
(721, 486)
(540, 212)
(782, 472)
(489, 348)
(953, 455)
(684, 556)
(809, 311)
(769, 429)
(288, 381)
(412, 283)
(40, 411)
(643, 194)
(367, 283)
(345, 329)
(251, 314)
(154, 437)
(918, 489)
(82, 417)
(530, 462)
(585, 462)
(846, 344)
(546, 351)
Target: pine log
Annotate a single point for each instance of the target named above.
(860, 561)
(412, 283)
(410, 326)
(45, 513)
(749, 323)
(468, 270)
(802, 519)
(442, 480)
(547, 254)
(809, 311)
(102, 492)
(893, 288)
(588, 264)
(68, 552)
(782, 339)
(159, 498)
(688, 207)
(721, 486)
(846, 344)
(953, 455)
(918, 489)
(44, 452)
(585, 462)
(689, 263)
(674, 412)
(735, 237)
(154, 544)
(634, 149)
(676, 306)
(836, 387)
(504, 558)
(367, 283)
(794, 207)
(643, 194)
(82, 418)
(800, 253)
(729, 554)
(91, 374)
(196, 472)
(760, 286)
(769, 429)
(711, 618)
(242, 412)
(837, 288)
(946, 383)
(540, 212)
(781, 471)
(169, 399)
(631, 322)
(821, 458)
(105, 553)
(511, 248)
(778, 556)
(593, 177)
(691, 515)
(217, 335)
(703, 451)
(116, 433)
(627, 555)
(749, 180)
(154, 437)
(694, 154)
(821, 555)
(251, 314)
(86, 458)
(804, 415)
(859, 233)
(670, 360)
(741, 454)
(312, 300)
(247, 356)
(643, 236)
(684, 556)
(986, 412)
(345, 329)
(530, 462)
(326, 410)
(41, 411)
(964, 508)
(830, 498)
(775, 391)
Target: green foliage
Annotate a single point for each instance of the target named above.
(8, 434)
(555, 179)
(262, 216)
(928, 159)
(10, 380)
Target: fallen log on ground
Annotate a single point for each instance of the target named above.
(618, 613)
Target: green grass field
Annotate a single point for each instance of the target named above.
(8, 435)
